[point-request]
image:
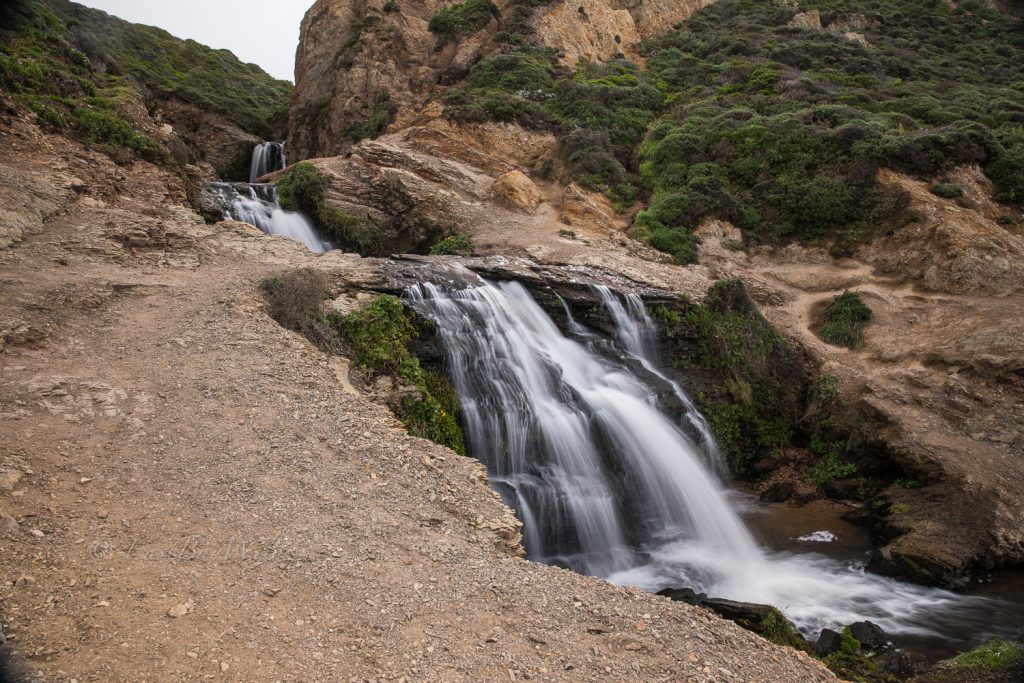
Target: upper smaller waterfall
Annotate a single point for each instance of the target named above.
(267, 157)
(257, 205)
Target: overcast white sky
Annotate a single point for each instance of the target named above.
(264, 32)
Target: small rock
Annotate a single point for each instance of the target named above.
(85, 480)
(180, 610)
(102, 514)
(24, 580)
(37, 533)
(224, 666)
(271, 592)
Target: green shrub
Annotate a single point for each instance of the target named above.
(844, 320)
(380, 335)
(462, 18)
(303, 187)
(383, 114)
(567, 234)
(947, 190)
(391, 7)
(830, 469)
(457, 244)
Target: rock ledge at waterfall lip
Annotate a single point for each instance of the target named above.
(460, 272)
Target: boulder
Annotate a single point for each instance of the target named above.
(827, 643)
(515, 191)
(870, 635)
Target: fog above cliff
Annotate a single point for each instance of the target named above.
(263, 32)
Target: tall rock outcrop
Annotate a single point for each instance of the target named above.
(363, 63)
(360, 62)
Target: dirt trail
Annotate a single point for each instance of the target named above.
(189, 493)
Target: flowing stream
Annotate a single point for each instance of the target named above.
(607, 484)
(258, 205)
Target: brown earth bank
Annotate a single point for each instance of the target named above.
(191, 492)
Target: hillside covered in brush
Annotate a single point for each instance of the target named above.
(101, 79)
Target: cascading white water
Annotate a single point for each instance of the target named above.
(267, 157)
(258, 205)
(635, 331)
(606, 484)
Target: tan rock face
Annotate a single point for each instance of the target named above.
(515, 191)
(951, 247)
(595, 30)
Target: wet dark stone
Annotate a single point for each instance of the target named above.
(869, 635)
(828, 642)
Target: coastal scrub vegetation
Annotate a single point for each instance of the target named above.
(83, 72)
(743, 116)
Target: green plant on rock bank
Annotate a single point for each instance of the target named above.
(380, 335)
(844, 320)
(994, 656)
(461, 19)
(303, 188)
(764, 378)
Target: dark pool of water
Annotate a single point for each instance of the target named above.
(780, 527)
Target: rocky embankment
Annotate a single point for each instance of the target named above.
(190, 491)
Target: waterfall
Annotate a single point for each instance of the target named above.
(267, 157)
(635, 331)
(608, 485)
(258, 205)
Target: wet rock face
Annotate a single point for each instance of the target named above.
(212, 138)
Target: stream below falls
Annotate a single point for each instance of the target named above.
(576, 440)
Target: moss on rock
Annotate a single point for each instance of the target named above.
(303, 188)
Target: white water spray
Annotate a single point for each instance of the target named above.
(606, 484)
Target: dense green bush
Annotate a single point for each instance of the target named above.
(462, 18)
(302, 188)
(947, 190)
(457, 244)
(844, 320)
